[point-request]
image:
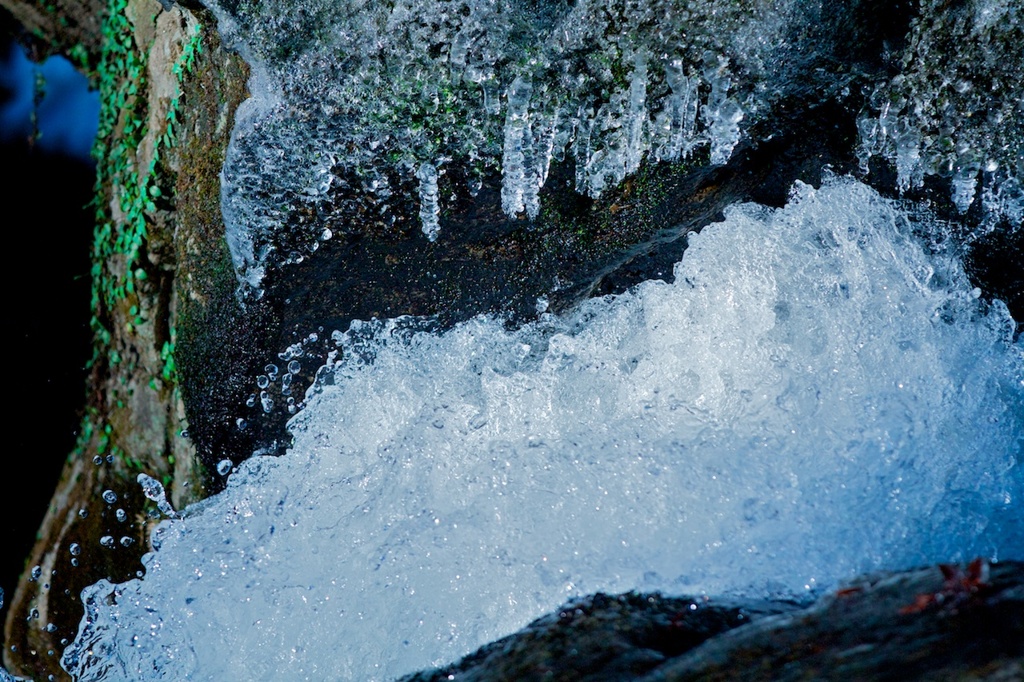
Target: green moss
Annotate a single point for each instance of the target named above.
(118, 267)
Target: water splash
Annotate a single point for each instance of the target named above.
(816, 395)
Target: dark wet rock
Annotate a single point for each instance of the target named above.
(948, 623)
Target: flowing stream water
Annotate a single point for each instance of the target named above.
(820, 393)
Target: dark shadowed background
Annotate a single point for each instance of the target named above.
(48, 118)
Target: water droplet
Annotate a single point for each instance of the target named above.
(75, 549)
(224, 467)
(294, 367)
(154, 491)
(127, 541)
(83, 512)
(50, 627)
(241, 424)
(263, 381)
(97, 460)
(109, 496)
(107, 541)
(74, 561)
(121, 515)
(37, 572)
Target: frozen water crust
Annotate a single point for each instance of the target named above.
(357, 105)
(819, 393)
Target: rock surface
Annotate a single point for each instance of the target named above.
(935, 623)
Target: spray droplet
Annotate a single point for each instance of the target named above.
(224, 467)
(109, 496)
(154, 491)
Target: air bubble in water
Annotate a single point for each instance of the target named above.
(294, 367)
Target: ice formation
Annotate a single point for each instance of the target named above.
(819, 393)
(358, 99)
(955, 109)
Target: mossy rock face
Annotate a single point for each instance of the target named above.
(134, 414)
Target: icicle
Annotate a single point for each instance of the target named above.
(965, 184)
(429, 209)
(721, 114)
(636, 118)
(537, 159)
(517, 145)
(681, 113)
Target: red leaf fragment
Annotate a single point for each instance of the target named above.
(957, 587)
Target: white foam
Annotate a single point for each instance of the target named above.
(815, 396)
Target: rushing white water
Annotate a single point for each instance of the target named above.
(818, 394)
